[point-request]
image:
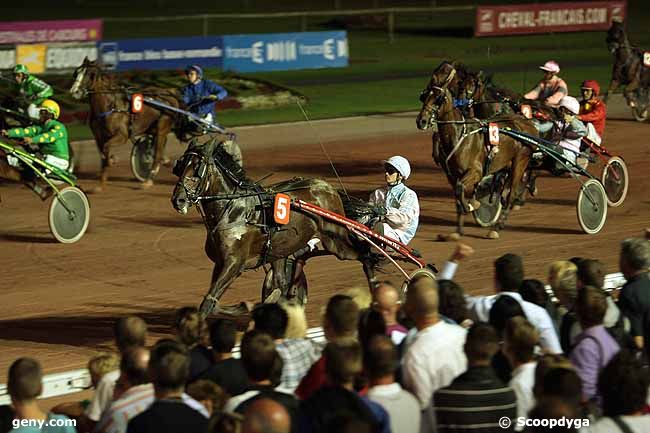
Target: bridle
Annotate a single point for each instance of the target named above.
(195, 185)
(433, 108)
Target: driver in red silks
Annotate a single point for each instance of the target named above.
(593, 110)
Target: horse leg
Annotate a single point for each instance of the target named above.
(613, 85)
(516, 185)
(222, 278)
(159, 141)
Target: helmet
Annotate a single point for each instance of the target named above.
(401, 164)
(196, 68)
(593, 85)
(571, 104)
(550, 66)
(21, 69)
(51, 107)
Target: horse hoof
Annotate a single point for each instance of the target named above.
(493, 234)
(516, 207)
(474, 205)
(147, 184)
(95, 190)
(273, 297)
(455, 236)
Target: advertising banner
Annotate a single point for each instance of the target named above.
(7, 57)
(66, 57)
(161, 53)
(284, 51)
(547, 17)
(32, 56)
(29, 32)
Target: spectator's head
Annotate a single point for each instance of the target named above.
(188, 326)
(386, 300)
(553, 408)
(481, 344)
(591, 273)
(371, 323)
(208, 393)
(133, 368)
(380, 359)
(591, 306)
(564, 383)
(25, 381)
(266, 416)
(519, 341)
(344, 362)
(422, 300)
(360, 295)
(452, 302)
(271, 319)
(101, 364)
(223, 336)
(503, 309)
(534, 291)
(297, 320)
(635, 257)
(562, 277)
(341, 318)
(259, 357)
(130, 331)
(508, 273)
(545, 364)
(623, 385)
(169, 366)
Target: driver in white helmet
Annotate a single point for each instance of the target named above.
(569, 130)
(397, 206)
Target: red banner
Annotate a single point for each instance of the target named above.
(545, 18)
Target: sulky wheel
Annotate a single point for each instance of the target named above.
(69, 215)
(592, 206)
(142, 158)
(488, 214)
(615, 180)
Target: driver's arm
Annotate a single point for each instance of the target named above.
(402, 217)
(534, 93)
(556, 97)
(216, 90)
(30, 131)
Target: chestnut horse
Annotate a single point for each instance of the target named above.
(111, 119)
(464, 153)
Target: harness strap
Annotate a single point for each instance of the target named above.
(460, 141)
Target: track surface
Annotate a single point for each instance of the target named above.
(58, 302)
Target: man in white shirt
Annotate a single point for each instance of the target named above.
(436, 355)
(508, 278)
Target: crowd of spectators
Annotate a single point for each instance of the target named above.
(434, 359)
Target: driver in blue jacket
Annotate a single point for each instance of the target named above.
(201, 95)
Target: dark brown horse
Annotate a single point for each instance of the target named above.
(628, 70)
(111, 119)
(237, 213)
(463, 147)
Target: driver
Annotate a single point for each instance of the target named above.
(569, 130)
(33, 90)
(551, 89)
(593, 110)
(201, 95)
(51, 137)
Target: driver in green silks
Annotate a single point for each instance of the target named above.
(34, 90)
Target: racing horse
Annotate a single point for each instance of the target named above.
(112, 121)
(237, 213)
(628, 69)
(464, 153)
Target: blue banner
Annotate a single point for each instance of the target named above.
(284, 51)
(161, 53)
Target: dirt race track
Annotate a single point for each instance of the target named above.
(58, 302)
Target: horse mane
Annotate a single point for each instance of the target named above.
(228, 162)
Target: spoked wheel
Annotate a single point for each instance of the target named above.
(488, 214)
(299, 291)
(142, 158)
(592, 206)
(615, 180)
(69, 215)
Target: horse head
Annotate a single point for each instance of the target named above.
(616, 36)
(435, 95)
(84, 78)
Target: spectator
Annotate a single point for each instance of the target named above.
(189, 328)
(504, 308)
(6, 418)
(297, 354)
(380, 361)
(24, 385)
(209, 394)
(634, 299)
(478, 396)
(386, 300)
(519, 341)
(297, 323)
(545, 387)
(453, 308)
(100, 365)
(335, 404)
(226, 371)
(508, 277)
(266, 416)
(623, 385)
(371, 323)
(169, 368)
(263, 366)
(594, 346)
(424, 374)
(592, 273)
(360, 295)
(534, 291)
(339, 323)
(553, 408)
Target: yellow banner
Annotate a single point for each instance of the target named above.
(32, 56)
